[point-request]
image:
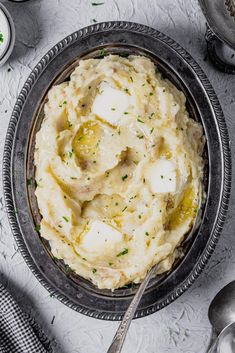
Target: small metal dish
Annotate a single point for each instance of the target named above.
(176, 64)
(220, 16)
(10, 35)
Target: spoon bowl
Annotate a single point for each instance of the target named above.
(222, 308)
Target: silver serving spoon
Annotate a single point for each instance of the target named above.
(222, 308)
(119, 338)
(222, 314)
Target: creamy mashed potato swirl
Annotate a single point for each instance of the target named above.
(118, 170)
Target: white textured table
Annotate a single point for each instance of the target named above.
(183, 326)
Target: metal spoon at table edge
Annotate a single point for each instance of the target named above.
(119, 338)
(221, 311)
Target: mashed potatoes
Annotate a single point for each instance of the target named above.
(118, 170)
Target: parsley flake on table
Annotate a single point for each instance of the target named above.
(97, 3)
(1, 38)
(124, 252)
(94, 270)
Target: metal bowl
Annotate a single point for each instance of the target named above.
(178, 66)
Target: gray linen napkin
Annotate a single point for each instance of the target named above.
(18, 332)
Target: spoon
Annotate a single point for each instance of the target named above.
(222, 308)
(225, 342)
(221, 314)
(119, 338)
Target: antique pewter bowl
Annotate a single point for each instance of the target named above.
(178, 66)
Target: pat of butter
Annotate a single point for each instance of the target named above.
(110, 104)
(161, 176)
(100, 236)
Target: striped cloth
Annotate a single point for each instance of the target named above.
(18, 332)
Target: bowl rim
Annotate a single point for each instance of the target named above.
(9, 142)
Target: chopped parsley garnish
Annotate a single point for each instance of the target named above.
(151, 131)
(125, 113)
(106, 174)
(124, 252)
(30, 181)
(65, 218)
(116, 203)
(67, 269)
(110, 263)
(139, 216)
(124, 208)
(147, 233)
(140, 136)
(69, 123)
(70, 154)
(113, 109)
(102, 52)
(94, 270)
(162, 176)
(94, 162)
(94, 20)
(140, 121)
(151, 93)
(97, 3)
(64, 102)
(131, 78)
(1, 38)
(124, 177)
(37, 228)
(126, 90)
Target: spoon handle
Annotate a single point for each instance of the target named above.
(119, 338)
